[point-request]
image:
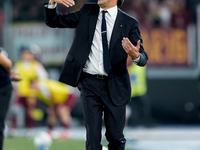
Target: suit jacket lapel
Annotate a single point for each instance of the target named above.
(92, 22)
(117, 30)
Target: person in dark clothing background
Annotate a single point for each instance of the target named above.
(6, 76)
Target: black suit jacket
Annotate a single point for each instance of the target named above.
(85, 21)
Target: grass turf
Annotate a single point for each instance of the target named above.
(22, 143)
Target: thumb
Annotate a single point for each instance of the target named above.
(138, 44)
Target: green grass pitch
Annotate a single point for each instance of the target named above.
(22, 143)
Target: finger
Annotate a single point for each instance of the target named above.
(67, 3)
(129, 44)
(125, 41)
(125, 45)
(71, 2)
(138, 44)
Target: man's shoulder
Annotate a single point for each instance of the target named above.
(128, 17)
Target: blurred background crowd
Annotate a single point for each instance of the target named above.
(170, 83)
(150, 13)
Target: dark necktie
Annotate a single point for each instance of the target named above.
(106, 58)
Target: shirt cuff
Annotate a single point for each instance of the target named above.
(136, 60)
(51, 6)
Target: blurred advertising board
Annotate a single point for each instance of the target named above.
(172, 52)
(54, 43)
(167, 47)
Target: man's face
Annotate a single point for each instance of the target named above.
(107, 3)
(27, 55)
(101, 2)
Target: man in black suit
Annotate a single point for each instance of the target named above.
(97, 64)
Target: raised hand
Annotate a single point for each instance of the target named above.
(67, 3)
(130, 49)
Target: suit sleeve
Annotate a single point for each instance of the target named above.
(134, 37)
(55, 20)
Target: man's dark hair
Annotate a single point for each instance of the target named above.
(120, 2)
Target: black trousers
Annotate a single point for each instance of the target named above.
(96, 101)
(5, 95)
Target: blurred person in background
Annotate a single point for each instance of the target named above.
(159, 13)
(139, 106)
(138, 9)
(6, 76)
(29, 69)
(60, 99)
(181, 17)
(24, 10)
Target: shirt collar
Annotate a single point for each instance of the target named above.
(111, 11)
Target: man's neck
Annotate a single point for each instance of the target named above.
(106, 7)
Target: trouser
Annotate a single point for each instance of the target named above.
(5, 95)
(96, 101)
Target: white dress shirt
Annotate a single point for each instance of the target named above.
(94, 64)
